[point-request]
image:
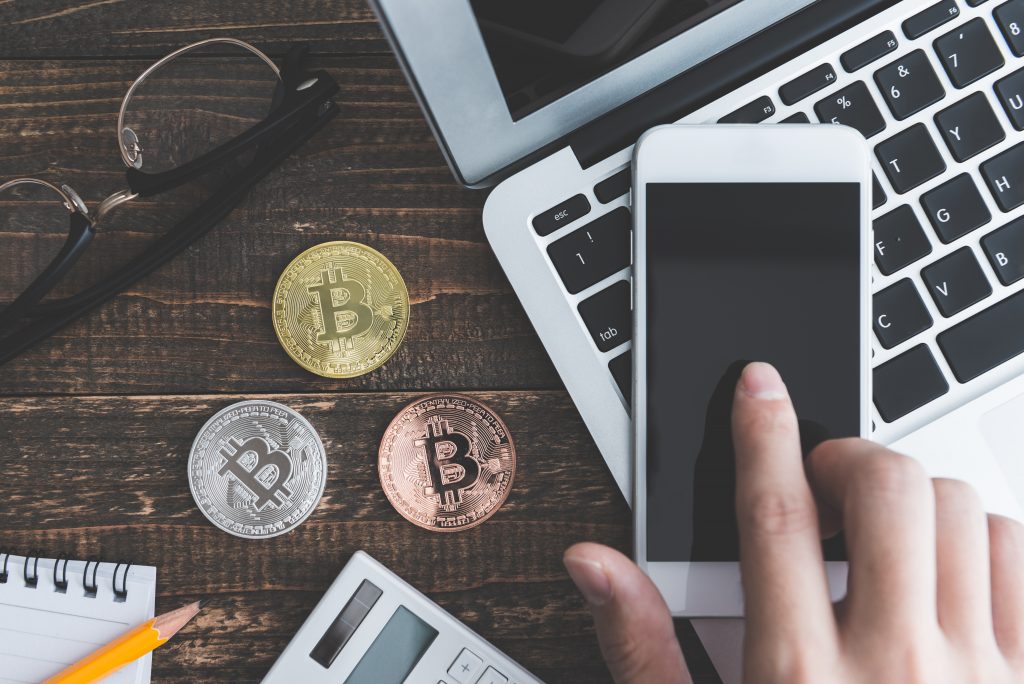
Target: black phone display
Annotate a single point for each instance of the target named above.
(738, 272)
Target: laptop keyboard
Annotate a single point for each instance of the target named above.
(962, 112)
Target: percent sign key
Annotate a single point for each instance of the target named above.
(852, 106)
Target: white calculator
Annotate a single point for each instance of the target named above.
(373, 628)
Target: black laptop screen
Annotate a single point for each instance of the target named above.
(542, 50)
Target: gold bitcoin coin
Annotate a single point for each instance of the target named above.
(341, 309)
(446, 462)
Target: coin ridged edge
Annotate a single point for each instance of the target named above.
(512, 472)
(215, 416)
(401, 335)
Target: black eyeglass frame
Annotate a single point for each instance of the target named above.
(302, 106)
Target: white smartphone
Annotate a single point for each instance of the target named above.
(751, 243)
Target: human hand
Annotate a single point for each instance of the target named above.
(935, 593)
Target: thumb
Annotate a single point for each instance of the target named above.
(633, 624)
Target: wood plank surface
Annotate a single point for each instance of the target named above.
(122, 28)
(106, 476)
(96, 423)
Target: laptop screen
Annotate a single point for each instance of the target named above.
(542, 50)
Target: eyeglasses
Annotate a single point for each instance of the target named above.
(218, 108)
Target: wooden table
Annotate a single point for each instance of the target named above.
(96, 423)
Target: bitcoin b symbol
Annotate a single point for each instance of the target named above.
(262, 470)
(342, 308)
(451, 467)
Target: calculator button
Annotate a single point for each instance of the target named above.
(852, 106)
(909, 85)
(465, 667)
(492, 676)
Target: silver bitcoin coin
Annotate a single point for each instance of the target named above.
(257, 469)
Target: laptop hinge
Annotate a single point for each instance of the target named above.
(719, 75)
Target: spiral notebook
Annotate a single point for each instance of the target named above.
(54, 612)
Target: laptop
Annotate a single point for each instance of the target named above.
(546, 99)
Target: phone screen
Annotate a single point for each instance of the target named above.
(740, 272)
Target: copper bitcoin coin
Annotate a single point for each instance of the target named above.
(446, 462)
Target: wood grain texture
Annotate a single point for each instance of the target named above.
(202, 322)
(123, 28)
(107, 476)
(96, 423)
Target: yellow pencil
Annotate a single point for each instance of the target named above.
(128, 647)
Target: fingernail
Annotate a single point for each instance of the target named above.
(762, 381)
(590, 579)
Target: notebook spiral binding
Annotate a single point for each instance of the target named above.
(30, 573)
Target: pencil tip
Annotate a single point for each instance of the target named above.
(203, 602)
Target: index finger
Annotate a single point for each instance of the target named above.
(784, 580)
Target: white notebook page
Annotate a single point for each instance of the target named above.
(43, 630)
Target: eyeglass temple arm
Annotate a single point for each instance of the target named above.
(286, 111)
(79, 235)
(194, 226)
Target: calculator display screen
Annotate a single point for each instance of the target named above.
(395, 652)
(740, 272)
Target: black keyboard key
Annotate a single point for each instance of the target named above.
(613, 188)
(909, 85)
(955, 208)
(869, 51)
(808, 84)
(969, 127)
(1005, 251)
(1010, 17)
(907, 383)
(931, 19)
(594, 252)
(1005, 177)
(910, 158)
(1011, 93)
(547, 222)
(757, 111)
(956, 282)
(899, 314)
(621, 368)
(878, 197)
(975, 3)
(985, 340)
(969, 53)
(852, 106)
(899, 240)
(798, 118)
(609, 316)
